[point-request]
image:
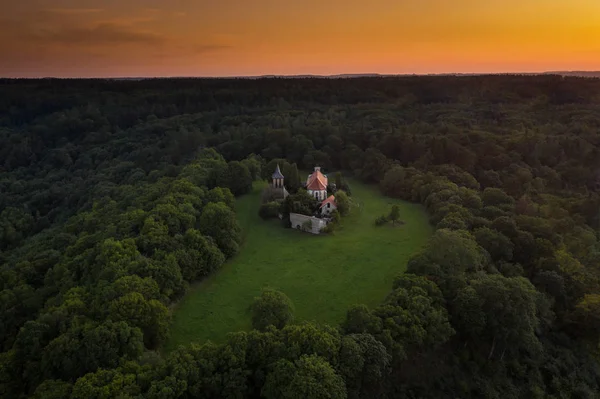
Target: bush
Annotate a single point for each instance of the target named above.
(335, 217)
(343, 203)
(307, 226)
(333, 223)
(269, 210)
(381, 220)
(346, 188)
(329, 228)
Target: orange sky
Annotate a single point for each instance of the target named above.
(79, 38)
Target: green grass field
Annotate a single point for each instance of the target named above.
(323, 275)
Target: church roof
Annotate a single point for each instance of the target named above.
(329, 200)
(317, 181)
(277, 174)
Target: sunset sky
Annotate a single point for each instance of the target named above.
(111, 38)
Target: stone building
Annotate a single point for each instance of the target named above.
(309, 224)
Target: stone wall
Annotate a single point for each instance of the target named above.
(298, 222)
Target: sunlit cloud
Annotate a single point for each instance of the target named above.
(74, 11)
(207, 48)
(102, 34)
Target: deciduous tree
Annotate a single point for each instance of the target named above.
(272, 308)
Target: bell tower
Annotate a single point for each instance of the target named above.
(278, 178)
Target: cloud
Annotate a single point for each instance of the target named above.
(207, 48)
(100, 34)
(72, 11)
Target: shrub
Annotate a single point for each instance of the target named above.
(343, 202)
(269, 210)
(335, 217)
(328, 229)
(307, 226)
(381, 220)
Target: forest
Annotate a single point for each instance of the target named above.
(115, 196)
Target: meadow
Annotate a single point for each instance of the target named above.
(322, 275)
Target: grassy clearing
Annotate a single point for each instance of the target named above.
(323, 275)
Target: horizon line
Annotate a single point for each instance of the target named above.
(341, 75)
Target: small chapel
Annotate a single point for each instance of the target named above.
(277, 186)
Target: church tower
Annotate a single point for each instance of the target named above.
(278, 178)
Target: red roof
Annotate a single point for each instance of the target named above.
(329, 200)
(317, 181)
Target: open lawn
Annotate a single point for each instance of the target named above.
(323, 275)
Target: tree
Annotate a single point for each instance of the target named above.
(343, 202)
(364, 364)
(452, 221)
(53, 389)
(338, 180)
(198, 256)
(407, 281)
(105, 384)
(163, 268)
(587, 315)
(497, 197)
(29, 345)
(505, 310)
(375, 165)
(219, 222)
(292, 177)
(309, 377)
(497, 244)
(316, 157)
(15, 224)
(447, 258)
(152, 317)
(155, 236)
(300, 202)
(254, 163)
(10, 381)
(272, 308)
(468, 317)
(412, 319)
(360, 319)
(394, 214)
(84, 349)
(240, 179)
(145, 286)
(208, 371)
(221, 194)
(393, 182)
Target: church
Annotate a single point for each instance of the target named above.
(316, 184)
(316, 187)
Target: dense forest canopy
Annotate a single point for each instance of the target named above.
(116, 195)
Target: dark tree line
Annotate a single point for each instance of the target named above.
(115, 195)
